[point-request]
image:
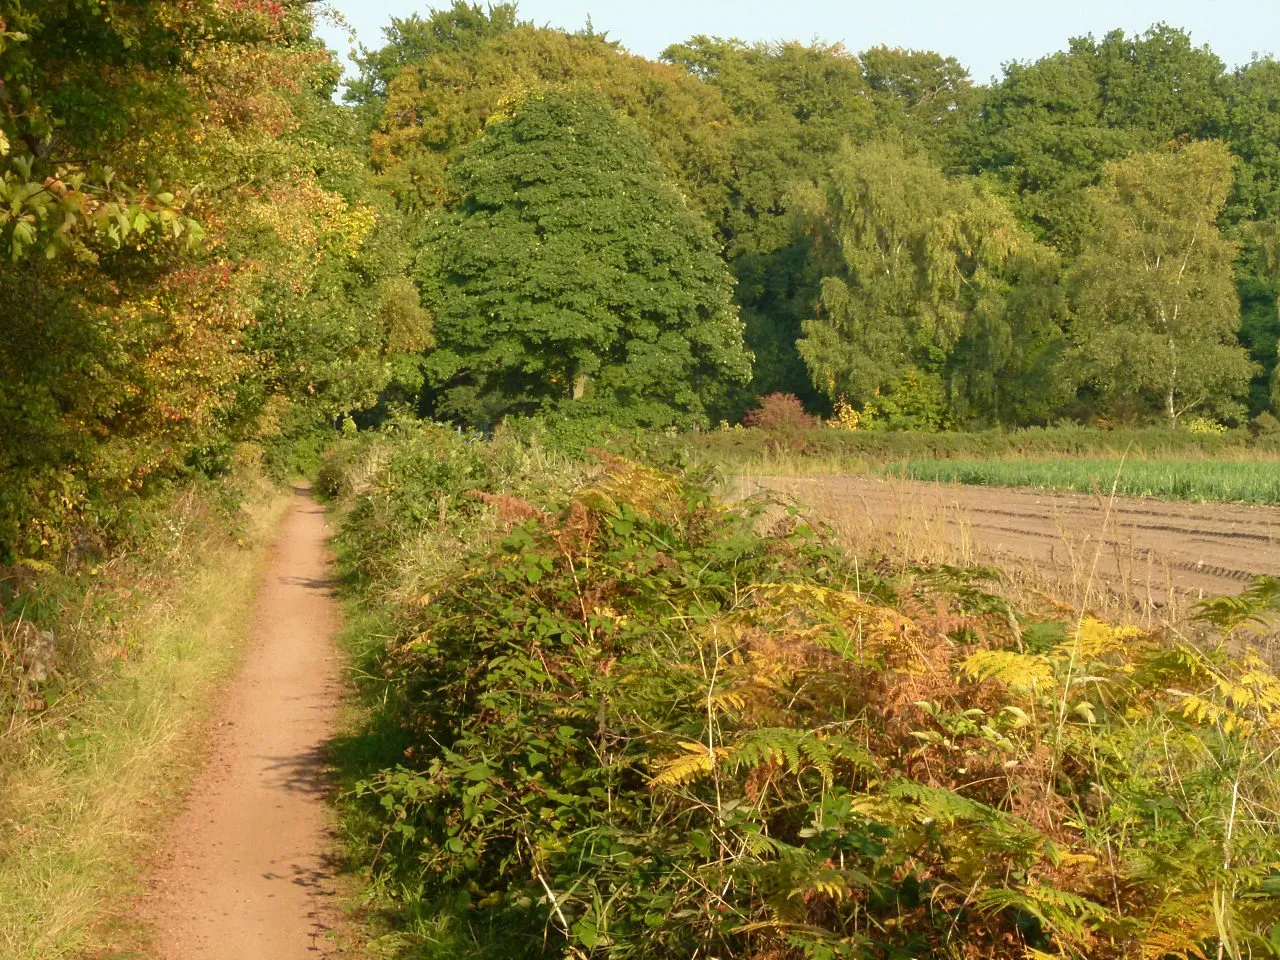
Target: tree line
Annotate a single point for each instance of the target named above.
(1089, 237)
(199, 246)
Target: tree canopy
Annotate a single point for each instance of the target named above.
(913, 266)
(440, 104)
(1155, 295)
(197, 253)
(568, 270)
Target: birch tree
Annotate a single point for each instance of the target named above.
(1154, 288)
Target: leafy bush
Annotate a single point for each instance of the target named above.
(67, 629)
(636, 727)
(1265, 425)
(781, 412)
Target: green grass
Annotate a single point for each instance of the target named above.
(823, 450)
(1224, 481)
(92, 785)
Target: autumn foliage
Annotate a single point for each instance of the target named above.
(195, 257)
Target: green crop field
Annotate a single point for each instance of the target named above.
(1242, 481)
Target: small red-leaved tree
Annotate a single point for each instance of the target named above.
(781, 412)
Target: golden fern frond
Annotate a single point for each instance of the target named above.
(643, 489)
(837, 885)
(1093, 639)
(1019, 671)
(733, 698)
(1206, 712)
(676, 771)
(1167, 942)
(877, 623)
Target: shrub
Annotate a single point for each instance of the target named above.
(781, 412)
(639, 728)
(1265, 425)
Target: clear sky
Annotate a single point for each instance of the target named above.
(982, 34)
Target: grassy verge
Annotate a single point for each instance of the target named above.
(86, 781)
(1239, 481)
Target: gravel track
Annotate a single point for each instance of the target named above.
(246, 874)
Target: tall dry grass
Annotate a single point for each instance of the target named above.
(1094, 567)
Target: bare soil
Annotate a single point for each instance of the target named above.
(1152, 545)
(246, 874)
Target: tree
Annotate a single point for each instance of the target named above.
(1253, 132)
(132, 357)
(923, 95)
(568, 273)
(436, 106)
(795, 103)
(792, 105)
(935, 304)
(1048, 127)
(464, 28)
(1154, 288)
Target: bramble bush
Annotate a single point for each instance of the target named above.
(636, 725)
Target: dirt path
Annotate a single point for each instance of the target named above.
(246, 876)
(1201, 549)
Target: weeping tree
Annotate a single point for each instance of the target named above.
(935, 305)
(1154, 288)
(569, 273)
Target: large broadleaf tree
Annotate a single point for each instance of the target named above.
(569, 272)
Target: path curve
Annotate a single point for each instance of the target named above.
(246, 873)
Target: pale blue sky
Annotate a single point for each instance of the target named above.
(982, 34)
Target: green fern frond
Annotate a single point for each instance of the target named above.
(936, 803)
(1252, 607)
(1063, 914)
(769, 745)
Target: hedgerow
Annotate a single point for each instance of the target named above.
(637, 722)
(735, 446)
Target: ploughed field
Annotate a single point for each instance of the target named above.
(1154, 546)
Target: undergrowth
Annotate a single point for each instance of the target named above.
(620, 719)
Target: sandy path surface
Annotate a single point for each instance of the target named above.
(246, 875)
(1203, 549)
